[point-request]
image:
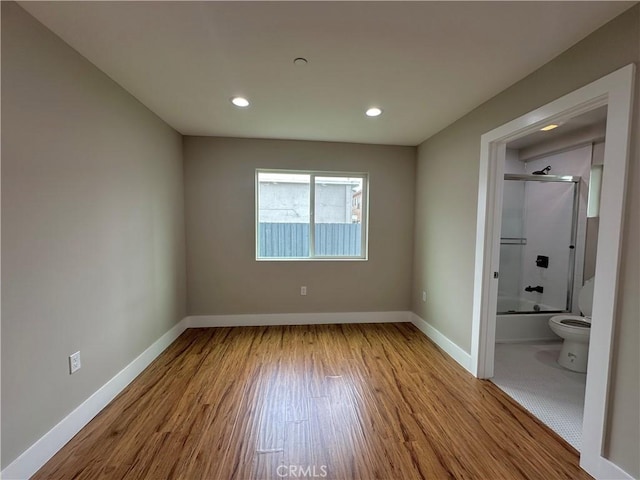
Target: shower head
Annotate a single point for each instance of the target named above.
(544, 171)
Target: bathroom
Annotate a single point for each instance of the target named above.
(548, 248)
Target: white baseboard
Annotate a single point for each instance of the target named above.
(453, 350)
(602, 468)
(255, 320)
(42, 450)
(31, 460)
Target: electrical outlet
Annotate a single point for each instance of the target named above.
(303, 290)
(424, 296)
(74, 362)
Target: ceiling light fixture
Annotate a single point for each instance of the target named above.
(240, 102)
(373, 112)
(300, 61)
(549, 127)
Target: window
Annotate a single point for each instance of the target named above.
(311, 215)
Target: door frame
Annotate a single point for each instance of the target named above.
(616, 92)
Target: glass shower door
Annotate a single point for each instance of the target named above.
(537, 248)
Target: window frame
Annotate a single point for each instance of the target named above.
(364, 247)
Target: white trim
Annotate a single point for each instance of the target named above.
(265, 319)
(616, 91)
(450, 348)
(48, 445)
(32, 459)
(605, 469)
(364, 221)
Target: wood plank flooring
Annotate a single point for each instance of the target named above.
(376, 401)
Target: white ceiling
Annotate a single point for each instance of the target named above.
(425, 63)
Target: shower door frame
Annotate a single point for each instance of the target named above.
(616, 92)
(575, 180)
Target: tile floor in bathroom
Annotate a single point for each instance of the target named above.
(529, 374)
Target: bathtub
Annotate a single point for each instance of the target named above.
(529, 320)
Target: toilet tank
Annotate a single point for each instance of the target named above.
(585, 298)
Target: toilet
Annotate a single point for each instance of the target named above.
(575, 330)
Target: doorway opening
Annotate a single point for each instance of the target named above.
(548, 245)
(614, 93)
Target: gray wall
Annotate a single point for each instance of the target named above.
(223, 275)
(446, 207)
(92, 229)
(93, 234)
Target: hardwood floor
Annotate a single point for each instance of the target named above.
(318, 401)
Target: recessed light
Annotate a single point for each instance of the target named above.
(300, 61)
(240, 102)
(549, 127)
(373, 112)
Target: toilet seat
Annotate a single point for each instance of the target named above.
(576, 323)
(572, 322)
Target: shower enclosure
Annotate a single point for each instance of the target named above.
(538, 244)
